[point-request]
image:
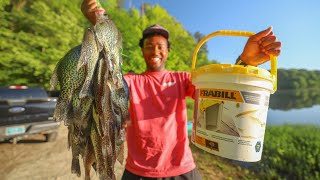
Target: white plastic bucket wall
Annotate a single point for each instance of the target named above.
(230, 114)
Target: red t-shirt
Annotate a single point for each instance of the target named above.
(157, 138)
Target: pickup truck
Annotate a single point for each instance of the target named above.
(26, 111)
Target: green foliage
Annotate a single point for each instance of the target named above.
(3, 3)
(290, 152)
(298, 79)
(190, 105)
(35, 35)
(214, 167)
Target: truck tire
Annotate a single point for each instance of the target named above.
(51, 136)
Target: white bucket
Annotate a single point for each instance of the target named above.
(231, 106)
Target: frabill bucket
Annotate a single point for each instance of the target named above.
(231, 106)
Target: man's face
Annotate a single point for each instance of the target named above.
(155, 52)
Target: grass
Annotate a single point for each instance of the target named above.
(214, 167)
(290, 152)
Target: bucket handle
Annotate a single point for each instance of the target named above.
(273, 59)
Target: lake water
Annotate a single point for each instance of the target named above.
(294, 107)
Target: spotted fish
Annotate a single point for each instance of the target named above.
(93, 101)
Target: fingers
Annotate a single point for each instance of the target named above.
(260, 47)
(262, 34)
(271, 46)
(274, 52)
(275, 46)
(265, 41)
(89, 8)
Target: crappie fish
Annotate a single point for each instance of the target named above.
(107, 115)
(69, 79)
(93, 101)
(111, 103)
(108, 42)
(70, 108)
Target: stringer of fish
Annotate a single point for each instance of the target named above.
(93, 100)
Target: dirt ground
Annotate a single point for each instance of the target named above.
(32, 158)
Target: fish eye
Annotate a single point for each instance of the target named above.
(105, 15)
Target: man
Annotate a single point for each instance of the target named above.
(158, 146)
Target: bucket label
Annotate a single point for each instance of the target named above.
(221, 94)
(234, 95)
(207, 143)
(230, 123)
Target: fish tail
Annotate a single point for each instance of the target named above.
(89, 159)
(120, 153)
(69, 137)
(75, 166)
(87, 177)
(111, 153)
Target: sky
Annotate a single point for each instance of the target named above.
(296, 24)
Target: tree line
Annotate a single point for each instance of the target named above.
(35, 35)
(298, 79)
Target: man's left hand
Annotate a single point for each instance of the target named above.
(259, 47)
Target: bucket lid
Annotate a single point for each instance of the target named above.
(234, 69)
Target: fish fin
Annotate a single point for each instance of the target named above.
(61, 111)
(108, 59)
(120, 153)
(86, 114)
(86, 89)
(54, 81)
(120, 57)
(94, 166)
(69, 138)
(89, 159)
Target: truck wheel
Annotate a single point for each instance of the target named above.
(51, 136)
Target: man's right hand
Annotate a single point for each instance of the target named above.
(89, 8)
